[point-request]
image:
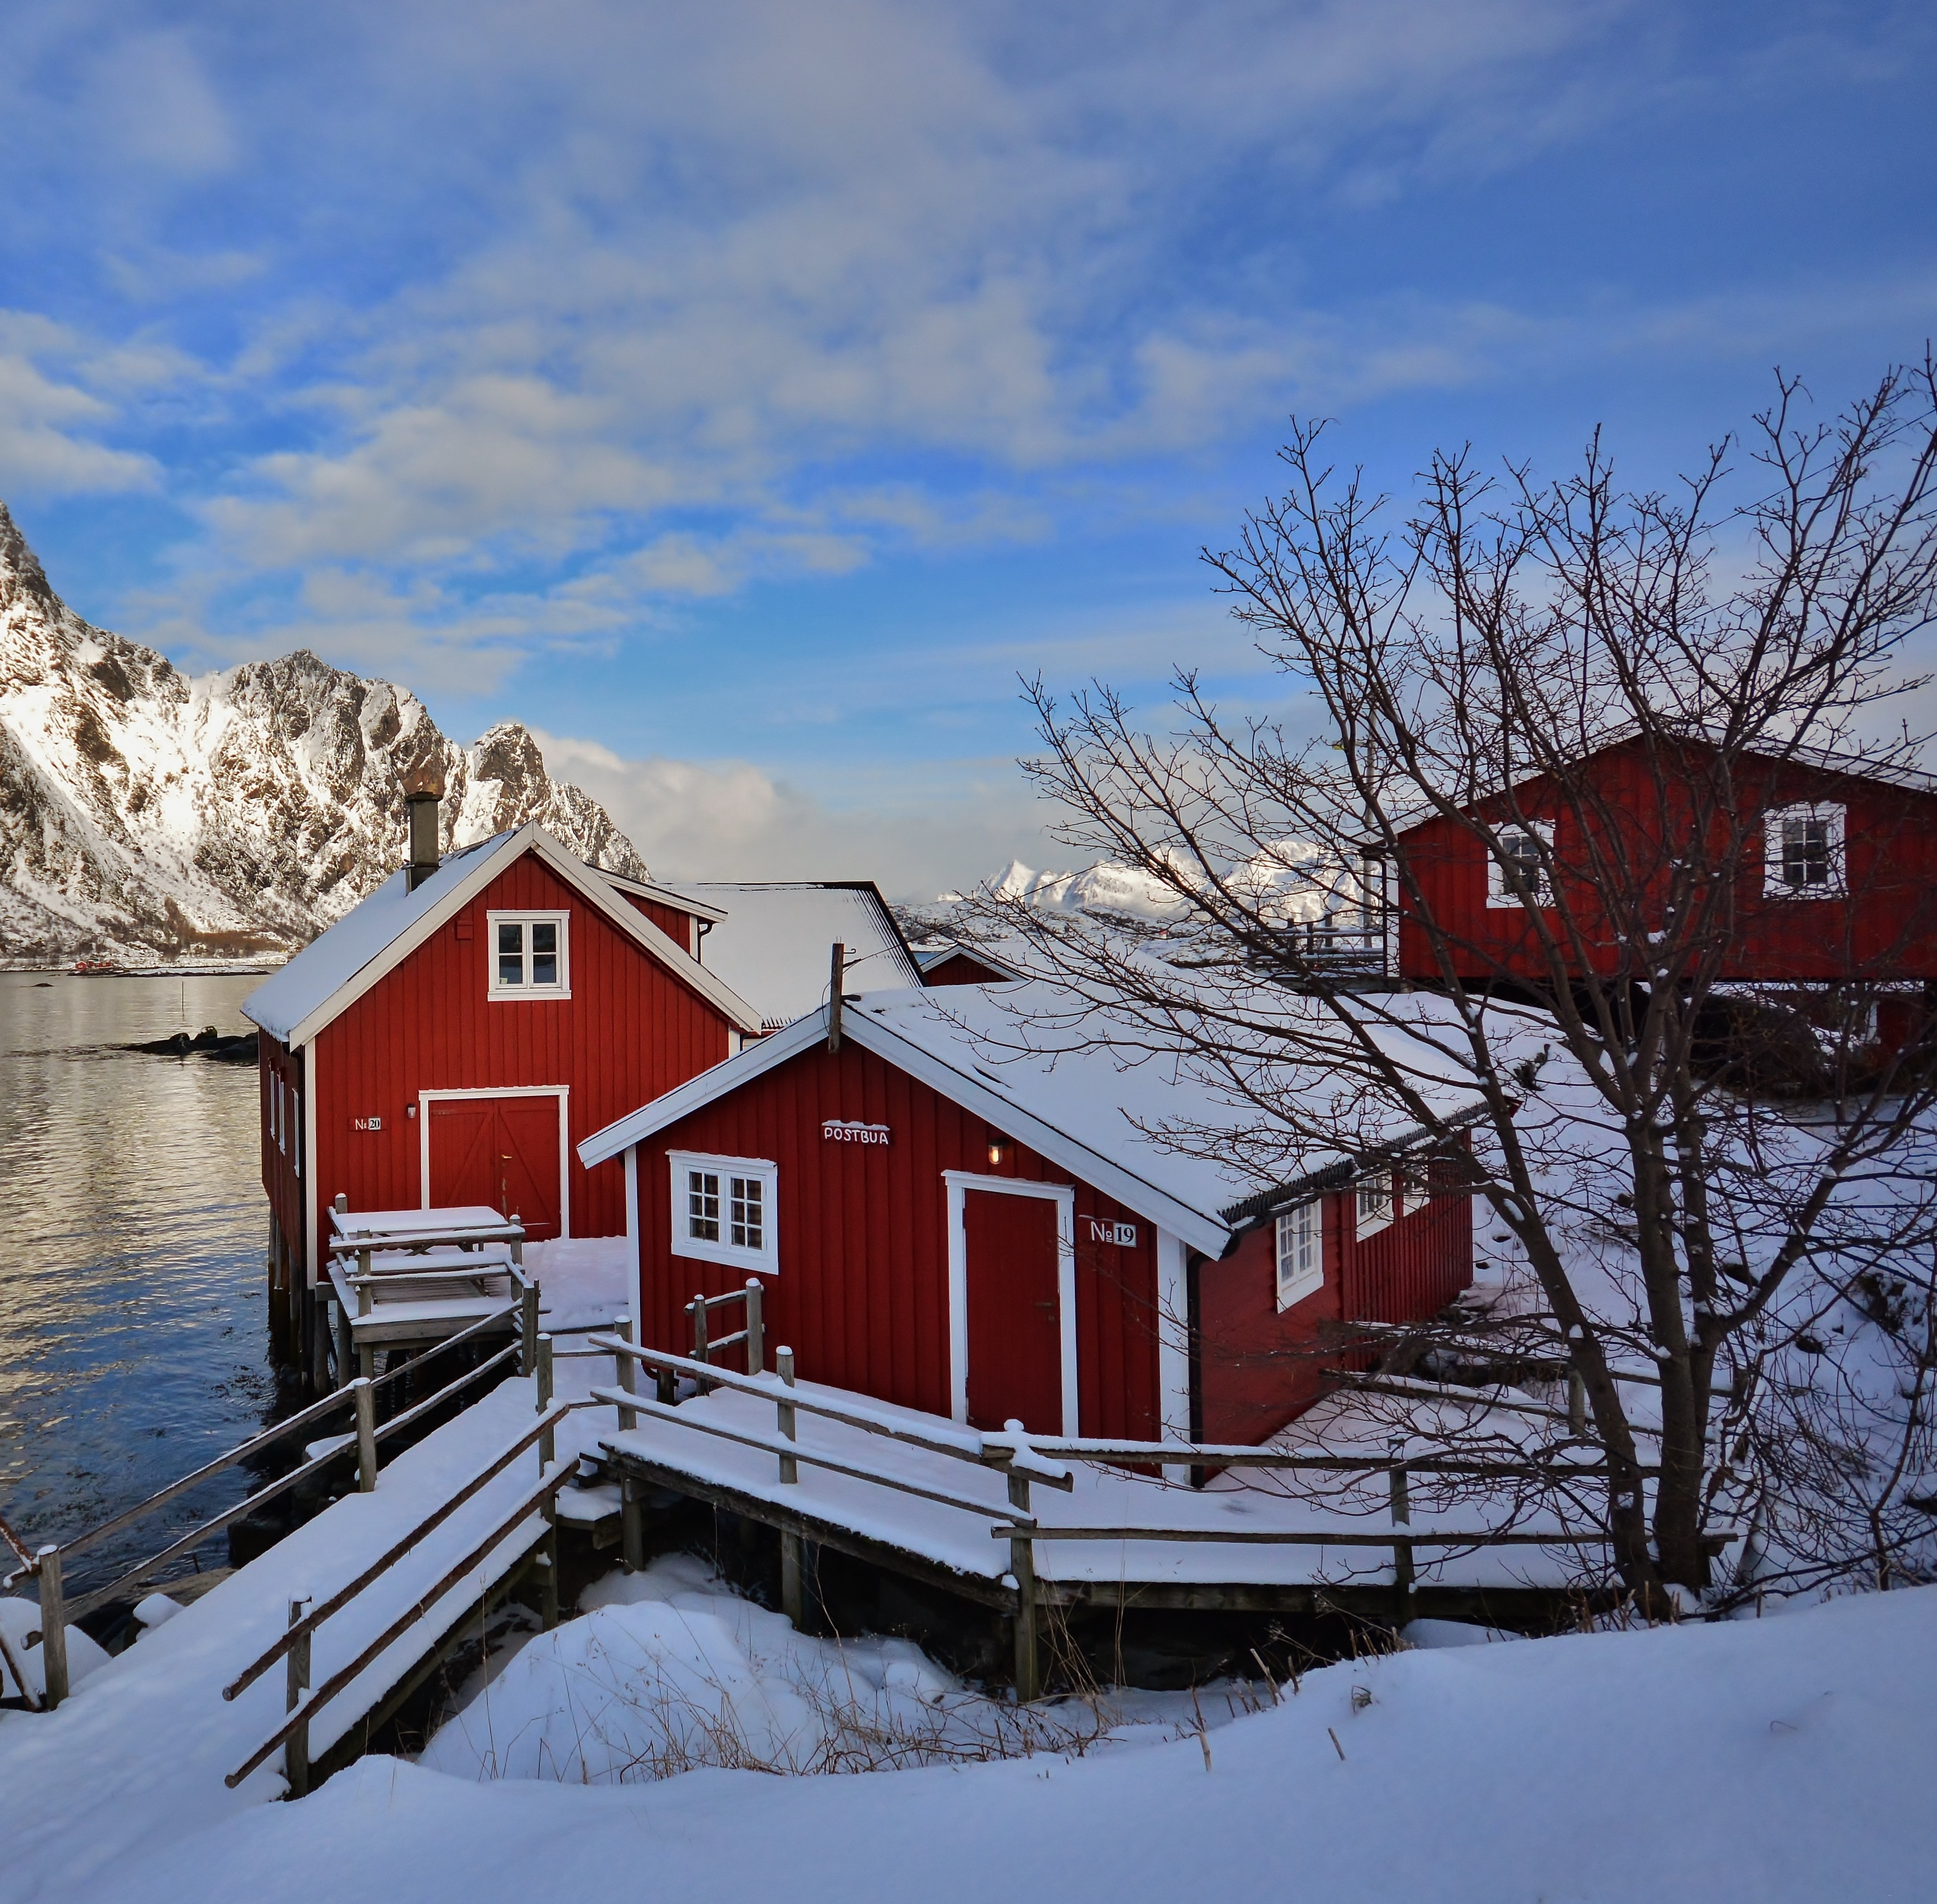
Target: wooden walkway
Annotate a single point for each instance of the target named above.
(149, 1737)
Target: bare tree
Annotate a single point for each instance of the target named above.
(1470, 665)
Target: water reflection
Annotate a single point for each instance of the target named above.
(133, 1314)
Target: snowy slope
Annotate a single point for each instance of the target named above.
(146, 815)
(1782, 1759)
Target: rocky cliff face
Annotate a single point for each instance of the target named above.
(148, 816)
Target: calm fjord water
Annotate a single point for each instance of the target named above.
(133, 1313)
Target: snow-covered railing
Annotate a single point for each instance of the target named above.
(294, 1644)
(47, 1567)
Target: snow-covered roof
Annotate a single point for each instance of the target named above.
(1081, 1105)
(331, 972)
(773, 946)
(663, 895)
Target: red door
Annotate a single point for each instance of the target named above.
(1015, 1319)
(500, 1152)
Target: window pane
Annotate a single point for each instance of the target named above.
(544, 968)
(510, 954)
(1805, 850)
(702, 1206)
(544, 951)
(747, 1225)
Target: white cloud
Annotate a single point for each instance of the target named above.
(729, 819)
(48, 418)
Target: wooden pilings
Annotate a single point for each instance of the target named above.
(296, 1747)
(53, 1627)
(366, 1435)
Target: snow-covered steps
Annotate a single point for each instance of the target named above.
(137, 1755)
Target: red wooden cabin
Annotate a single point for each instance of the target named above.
(1837, 880)
(448, 1041)
(986, 1239)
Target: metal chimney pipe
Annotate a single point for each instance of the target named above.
(424, 793)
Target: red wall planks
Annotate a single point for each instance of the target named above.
(861, 1290)
(1885, 929)
(630, 1031)
(1259, 1367)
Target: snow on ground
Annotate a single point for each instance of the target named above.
(582, 1280)
(137, 1757)
(669, 1670)
(1788, 1758)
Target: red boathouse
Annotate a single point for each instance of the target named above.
(1835, 879)
(989, 1238)
(450, 1040)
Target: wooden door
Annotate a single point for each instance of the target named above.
(1015, 1317)
(500, 1152)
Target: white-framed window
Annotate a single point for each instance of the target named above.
(1528, 845)
(1803, 850)
(1301, 1254)
(724, 1210)
(531, 955)
(1375, 1202)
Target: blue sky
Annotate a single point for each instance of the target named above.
(743, 395)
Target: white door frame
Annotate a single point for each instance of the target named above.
(1063, 1195)
(562, 1092)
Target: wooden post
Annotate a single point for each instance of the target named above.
(793, 1554)
(699, 1334)
(53, 1627)
(756, 1331)
(547, 1562)
(341, 1206)
(295, 1752)
(1576, 1404)
(1022, 1564)
(316, 1313)
(784, 1410)
(837, 978)
(366, 1296)
(342, 1316)
(547, 1441)
(366, 1436)
(1402, 1517)
(629, 1374)
(529, 1304)
(631, 1525)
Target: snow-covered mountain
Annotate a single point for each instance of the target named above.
(146, 815)
(1290, 883)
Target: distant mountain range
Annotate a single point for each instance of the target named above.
(151, 817)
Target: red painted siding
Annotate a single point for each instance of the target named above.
(1259, 1367)
(962, 968)
(676, 925)
(861, 1291)
(1640, 818)
(629, 1031)
(282, 1157)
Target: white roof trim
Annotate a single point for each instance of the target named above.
(1202, 1229)
(586, 881)
(676, 902)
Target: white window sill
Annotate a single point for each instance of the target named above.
(695, 1250)
(1302, 1291)
(513, 993)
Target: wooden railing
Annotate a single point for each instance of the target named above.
(1024, 1458)
(47, 1566)
(294, 1645)
(753, 1332)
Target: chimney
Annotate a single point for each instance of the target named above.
(423, 790)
